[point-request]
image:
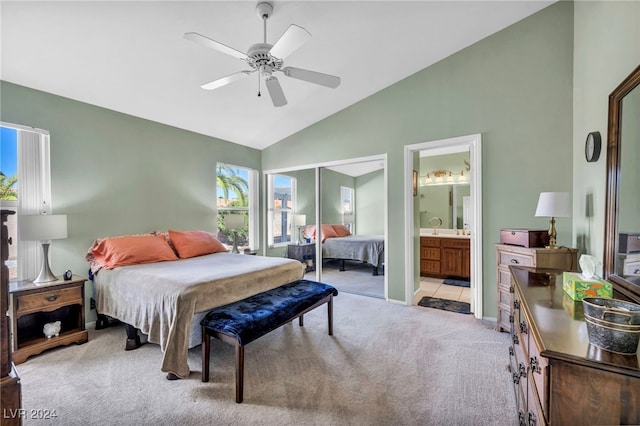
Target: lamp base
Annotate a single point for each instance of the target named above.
(552, 234)
(45, 275)
(235, 243)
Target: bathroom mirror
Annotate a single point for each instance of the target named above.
(622, 206)
(446, 202)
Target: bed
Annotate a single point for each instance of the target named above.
(338, 243)
(166, 299)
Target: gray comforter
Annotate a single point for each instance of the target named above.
(365, 248)
(161, 298)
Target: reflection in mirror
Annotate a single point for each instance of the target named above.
(628, 261)
(290, 205)
(353, 212)
(443, 189)
(622, 215)
(446, 202)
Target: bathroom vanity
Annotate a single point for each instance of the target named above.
(445, 253)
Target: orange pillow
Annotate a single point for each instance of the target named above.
(328, 232)
(341, 230)
(195, 243)
(132, 250)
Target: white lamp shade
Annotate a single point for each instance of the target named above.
(553, 204)
(43, 227)
(299, 219)
(234, 221)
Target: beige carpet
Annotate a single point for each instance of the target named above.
(386, 364)
(357, 278)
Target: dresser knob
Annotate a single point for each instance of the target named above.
(515, 261)
(10, 240)
(51, 298)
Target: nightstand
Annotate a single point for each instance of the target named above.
(34, 305)
(305, 253)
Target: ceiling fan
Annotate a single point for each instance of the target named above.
(267, 59)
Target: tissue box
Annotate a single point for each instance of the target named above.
(578, 287)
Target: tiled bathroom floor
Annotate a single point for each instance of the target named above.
(433, 287)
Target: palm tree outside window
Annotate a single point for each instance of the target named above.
(236, 193)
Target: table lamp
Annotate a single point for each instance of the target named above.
(43, 228)
(234, 222)
(552, 205)
(299, 221)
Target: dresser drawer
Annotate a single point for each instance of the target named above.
(509, 259)
(48, 300)
(538, 374)
(504, 278)
(631, 268)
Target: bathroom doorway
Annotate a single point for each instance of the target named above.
(467, 177)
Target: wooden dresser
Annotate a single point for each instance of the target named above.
(540, 257)
(558, 376)
(445, 257)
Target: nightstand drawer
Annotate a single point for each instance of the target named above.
(48, 300)
(509, 259)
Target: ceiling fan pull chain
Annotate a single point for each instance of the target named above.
(259, 86)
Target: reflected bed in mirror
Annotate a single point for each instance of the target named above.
(622, 214)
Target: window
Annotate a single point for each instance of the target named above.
(237, 192)
(9, 191)
(25, 187)
(348, 215)
(282, 202)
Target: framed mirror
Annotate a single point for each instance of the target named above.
(622, 208)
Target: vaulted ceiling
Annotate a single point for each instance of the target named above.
(132, 57)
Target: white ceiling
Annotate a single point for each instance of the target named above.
(131, 56)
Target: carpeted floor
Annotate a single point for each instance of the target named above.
(386, 364)
(356, 278)
(445, 304)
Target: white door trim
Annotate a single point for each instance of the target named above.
(474, 144)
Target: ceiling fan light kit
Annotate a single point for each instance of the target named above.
(267, 59)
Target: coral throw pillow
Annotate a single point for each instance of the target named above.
(132, 250)
(341, 230)
(195, 243)
(328, 232)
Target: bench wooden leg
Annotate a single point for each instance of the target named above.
(206, 349)
(239, 372)
(330, 315)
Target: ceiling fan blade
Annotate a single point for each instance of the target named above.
(312, 77)
(212, 44)
(289, 41)
(225, 80)
(275, 91)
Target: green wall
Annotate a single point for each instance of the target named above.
(331, 195)
(369, 191)
(606, 50)
(114, 174)
(514, 87)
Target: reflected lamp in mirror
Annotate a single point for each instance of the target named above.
(348, 219)
(234, 222)
(43, 228)
(553, 205)
(299, 221)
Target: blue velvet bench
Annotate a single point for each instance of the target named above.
(242, 322)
